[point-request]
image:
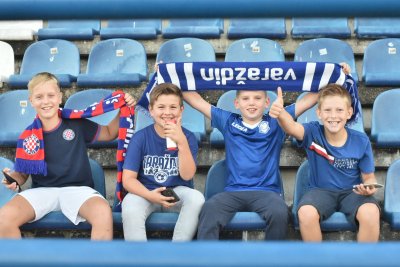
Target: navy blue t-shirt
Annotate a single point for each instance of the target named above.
(66, 154)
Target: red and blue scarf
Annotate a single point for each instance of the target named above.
(30, 157)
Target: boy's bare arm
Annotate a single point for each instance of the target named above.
(285, 120)
(367, 178)
(197, 102)
(305, 103)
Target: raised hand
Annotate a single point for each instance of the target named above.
(277, 106)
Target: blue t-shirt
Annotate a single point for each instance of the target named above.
(66, 154)
(252, 155)
(156, 166)
(336, 168)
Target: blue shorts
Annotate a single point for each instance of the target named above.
(328, 202)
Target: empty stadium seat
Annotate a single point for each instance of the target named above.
(226, 102)
(381, 63)
(200, 28)
(257, 27)
(6, 62)
(254, 50)
(320, 27)
(70, 30)
(56, 220)
(5, 193)
(336, 222)
(185, 50)
(385, 126)
(115, 62)
(19, 30)
(132, 29)
(16, 113)
(326, 50)
(377, 27)
(83, 99)
(59, 57)
(391, 210)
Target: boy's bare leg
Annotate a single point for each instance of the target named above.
(98, 213)
(368, 218)
(310, 228)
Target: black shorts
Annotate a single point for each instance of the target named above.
(328, 202)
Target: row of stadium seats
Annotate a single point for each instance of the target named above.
(385, 127)
(200, 28)
(123, 62)
(215, 183)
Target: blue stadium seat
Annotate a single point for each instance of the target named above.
(226, 102)
(16, 113)
(326, 50)
(56, 220)
(257, 27)
(6, 62)
(115, 62)
(185, 50)
(385, 126)
(83, 99)
(336, 222)
(254, 50)
(132, 29)
(391, 209)
(5, 193)
(58, 57)
(200, 28)
(375, 28)
(320, 27)
(70, 29)
(381, 63)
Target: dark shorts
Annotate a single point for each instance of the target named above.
(328, 202)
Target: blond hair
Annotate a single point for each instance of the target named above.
(333, 90)
(165, 89)
(42, 77)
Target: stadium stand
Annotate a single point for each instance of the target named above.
(200, 28)
(337, 221)
(70, 30)
(257, 28)
(5, 193)
(59, 57)
(6, 62)
(85, 98)
(137, 29)
(16, 113)
(375, 28)
(380, 63)
(19, 30)
(115, 62)
(385, 127)
(391, 210)
(327, 50)
(320, 27)
(254, 50)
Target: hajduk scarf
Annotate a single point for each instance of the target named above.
(290, 76)
(30, 157)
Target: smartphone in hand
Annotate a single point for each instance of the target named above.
(169, 192)
(376, 185)
(11, 180)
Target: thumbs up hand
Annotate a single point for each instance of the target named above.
(277, 106)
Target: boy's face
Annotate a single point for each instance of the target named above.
(46, 99)
(166, 108)
(334, 112)
(252, 105)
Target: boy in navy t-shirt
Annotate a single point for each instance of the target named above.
(339, 159)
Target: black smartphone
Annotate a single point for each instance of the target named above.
(9, 179)
(169, 192)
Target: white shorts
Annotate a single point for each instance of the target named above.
(68, 200)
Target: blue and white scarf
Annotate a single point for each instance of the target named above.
(290, 76)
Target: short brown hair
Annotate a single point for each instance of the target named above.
(41, 78)
(165, 89)
(333, 90)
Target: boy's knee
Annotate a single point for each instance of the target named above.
(368, 213)
(307, 213)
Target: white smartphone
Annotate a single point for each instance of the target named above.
(371, 185)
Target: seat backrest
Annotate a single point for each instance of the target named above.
(197, 23)
(320, 27)
(216, 179)
(392, 188)
(302, 181)
(185, 50)
(118, 56)
(6, 61)
(55, 56)
(98, 177)
(257, 27)
(253, 50)
(16, 113)
(326, 50)
(136, 23)
(75, 24)
(5, 193)
(376, 27)
(85, 98)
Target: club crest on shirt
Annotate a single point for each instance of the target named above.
(263, 127)
(68, 134)
(161, 176)
(31, 144)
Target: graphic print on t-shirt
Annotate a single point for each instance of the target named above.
(161, 167)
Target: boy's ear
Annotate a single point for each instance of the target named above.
(350, 112)
(318, 111)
